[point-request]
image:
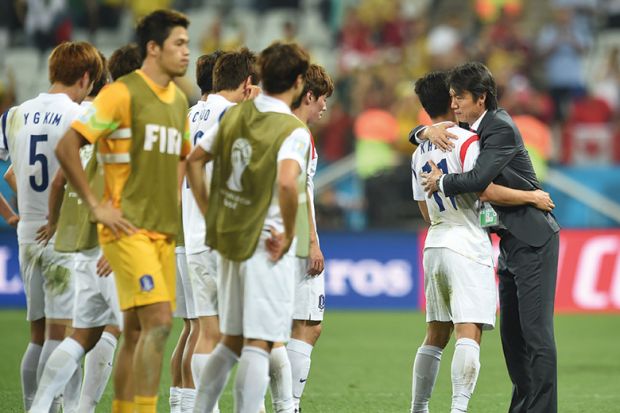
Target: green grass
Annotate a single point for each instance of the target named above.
(363, 364)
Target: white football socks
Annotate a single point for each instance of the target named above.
(213, 378)
(48, 348)
(188, 398)
(199, 361)
(59, 370)
(299, 353)
(175, 400)
(71, 394)
(30, 362)
(465, 370)
(252, 379)
(97, 370)
(280, 380)
(425, 370)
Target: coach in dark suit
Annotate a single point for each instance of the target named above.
(529, 243)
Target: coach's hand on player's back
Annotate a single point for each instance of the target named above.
(542, 200)
(430, 180)
(439, 136)
(277, 244)
(106, 214)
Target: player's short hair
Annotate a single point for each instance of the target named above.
(232, 68)
(317, 81)
(280, 64)
(434, 94)
(475, 78)
(124, 60)
(157, 27)
(204, 71)
(103, 79)
(70, 60)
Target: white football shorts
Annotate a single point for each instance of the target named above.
(186, 306)
(48, 281)
(203, 274)
(96, 299)
(459, 289)
(309, 293)
(256, 296)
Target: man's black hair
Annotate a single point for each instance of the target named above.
(204, 71)
(157, 27)
(474, 77)
(434, 94)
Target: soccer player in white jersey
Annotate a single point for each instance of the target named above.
(293, 362)
(459, 279)
(30, 133)
(97, 317)
(225, 79)
(256, 293)
(182, 387)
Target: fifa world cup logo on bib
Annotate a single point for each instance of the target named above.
(240, 159)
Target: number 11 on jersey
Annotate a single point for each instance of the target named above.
(443, 165)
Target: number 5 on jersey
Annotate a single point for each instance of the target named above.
(38, 158)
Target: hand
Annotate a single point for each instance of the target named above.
(439, 136)
(430, 180)
(45, 233)
(13, 220)
(103, 267)
(251, 92)
(277, 245)
(316, 262)
(542, 200)
(112, 218)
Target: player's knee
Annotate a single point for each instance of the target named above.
(156, 336)
(438, 337)
(315, 331)
(87, 337)
(114, 330)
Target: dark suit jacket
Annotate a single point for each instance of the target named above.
(504, 161)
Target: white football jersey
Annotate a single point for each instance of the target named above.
(454, 220)
(202, 116)
(30, 133)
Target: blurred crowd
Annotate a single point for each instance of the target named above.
(556, 63)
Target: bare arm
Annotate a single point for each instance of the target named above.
(288, 171)
(181, 171)
(57, 192)
(9, 177)
(7, 212)
(68, 154)
(504, 196)
(316, 260)
(195, 167)
(424, 211)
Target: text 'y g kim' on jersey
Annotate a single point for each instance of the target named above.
(30, 133)
(143, 133)
(454, 219)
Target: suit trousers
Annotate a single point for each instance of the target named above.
(527, 283)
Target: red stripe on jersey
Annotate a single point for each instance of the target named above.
(312, 147)
(465, 146)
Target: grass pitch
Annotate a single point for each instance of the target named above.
(363, 363)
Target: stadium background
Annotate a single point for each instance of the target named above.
(566, 101)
